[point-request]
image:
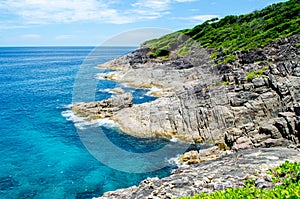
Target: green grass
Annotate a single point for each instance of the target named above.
(183, 51)
(256, 73)
(288, 174)
(227, 59)
(235, 33)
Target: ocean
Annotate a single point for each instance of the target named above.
(42, 155)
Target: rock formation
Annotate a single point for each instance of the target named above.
(194, 106)
(246, 105)
(227, 172)
(103, 109)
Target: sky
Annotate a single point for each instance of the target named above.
(98, 22)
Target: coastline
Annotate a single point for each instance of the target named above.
(192, 107)
(229, 171)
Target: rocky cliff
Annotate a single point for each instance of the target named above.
(232, 82)
(252, 101)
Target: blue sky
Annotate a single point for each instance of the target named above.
(92, 22)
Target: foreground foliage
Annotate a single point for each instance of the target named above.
(235, 33)
(287, 174)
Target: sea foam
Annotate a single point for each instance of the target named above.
(81, 123)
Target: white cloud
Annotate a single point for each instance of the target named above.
(149, 9)
(158, 5)
(202, 18)
(31, 36)
(61, 11)
(68, 11)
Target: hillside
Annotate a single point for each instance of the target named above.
(235, 33)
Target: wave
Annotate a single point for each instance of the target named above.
(100, 76)
(107, 90)
(174, 139)
(81, 123)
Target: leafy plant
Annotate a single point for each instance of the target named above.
(249, 183)
(250, 76)
(287, 173)
(256, 73)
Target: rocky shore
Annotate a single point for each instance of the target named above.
(229, 171)
(243, 107)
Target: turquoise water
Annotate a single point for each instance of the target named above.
(41, 153)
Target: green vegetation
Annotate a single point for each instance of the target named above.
(298, 45)
(227, 59)
(256, 73)
(288, 174)
(236, 33)
(160, 53)
(214, 55)
(183, 51)
(249, 31)
(162, 46)
(225, 83)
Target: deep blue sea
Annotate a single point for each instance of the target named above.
(41, 153)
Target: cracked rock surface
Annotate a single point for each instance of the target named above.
(229, 171)
(193, 107)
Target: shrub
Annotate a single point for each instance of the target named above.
(286, 173)
(250, 76)
(237, 33)
(159, 53)
(256, 73)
